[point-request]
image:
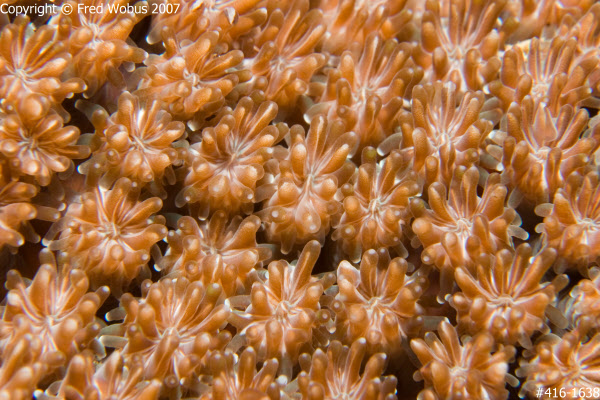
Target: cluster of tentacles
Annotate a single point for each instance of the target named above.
(324, 199)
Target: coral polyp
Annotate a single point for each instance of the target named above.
(508, 297)
(284, 308)
(139, 141)
(109, 234)
(468, 370)
(227, 164)
(337, 374)
(35, 142)
(34, 61)
(304, 203)
(376, 208)
(379, 301)
(171, 329)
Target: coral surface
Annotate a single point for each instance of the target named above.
(299, 199)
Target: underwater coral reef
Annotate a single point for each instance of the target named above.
(299, 199)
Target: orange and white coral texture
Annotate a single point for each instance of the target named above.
(299, 199)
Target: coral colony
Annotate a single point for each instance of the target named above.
(299, 199)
